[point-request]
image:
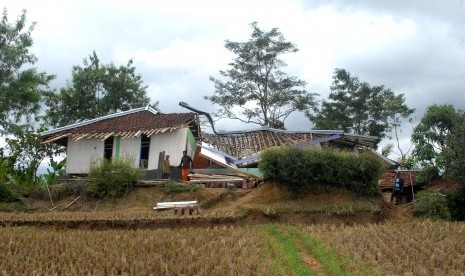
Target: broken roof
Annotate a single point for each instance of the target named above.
(127, 124)
(248, 142)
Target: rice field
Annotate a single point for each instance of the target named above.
(419, 247)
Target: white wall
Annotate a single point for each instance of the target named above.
(81, 153)
(173, 143)
(129, 148)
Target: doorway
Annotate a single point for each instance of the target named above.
(144, 151)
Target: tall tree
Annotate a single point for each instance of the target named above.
(431, 136)
(21, 85)
(255, 89)
(95, 90)
(360, 108)
(455, 151)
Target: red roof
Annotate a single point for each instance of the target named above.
(143, 120)
(127, 124)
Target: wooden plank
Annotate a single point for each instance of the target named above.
(202, 175)
(106, 136)
(79, 137)
(217, 180)
(177, 202)
(56, 138)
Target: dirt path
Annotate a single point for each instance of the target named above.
(397, 213)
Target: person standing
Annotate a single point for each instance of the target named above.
(186, 165)
(166, 167)
(398, 188)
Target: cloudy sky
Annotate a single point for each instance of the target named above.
(414, 47)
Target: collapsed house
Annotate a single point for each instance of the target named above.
(238, 152)
(243, 148)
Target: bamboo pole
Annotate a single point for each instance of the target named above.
(48, 190)
(73, 201)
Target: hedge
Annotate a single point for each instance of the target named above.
(301, 169)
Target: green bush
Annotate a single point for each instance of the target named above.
(431, 204)
(5, 195)
(301, 169)
(112, 178)
(456, 204)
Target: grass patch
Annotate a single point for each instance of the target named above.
(288, 250)
(328, 258)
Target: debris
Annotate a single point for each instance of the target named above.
(179, 204)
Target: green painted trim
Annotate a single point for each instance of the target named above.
(117, 146)
(191, 141)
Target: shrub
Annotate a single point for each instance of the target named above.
(431, 204)
(456, 204)
(112, 178)
(5, 194)
(300, 169)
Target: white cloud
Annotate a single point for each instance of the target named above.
(415, 47)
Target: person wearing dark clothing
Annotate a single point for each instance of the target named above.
(186, 165)
(398, 188)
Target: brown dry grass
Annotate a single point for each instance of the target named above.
(188, 251)
(418, 247)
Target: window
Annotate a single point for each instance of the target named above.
(108, 149)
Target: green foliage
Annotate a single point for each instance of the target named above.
(112, 178)
(257, 91)
(23, 155)
(360, 108)
(175, 188)
(21, 85)
(5, 195)
(96, 90)
(454, 153)
(427, 174)
(300, 169)
(456, 204)
(431, 204)
(430, 136)
(58, 169)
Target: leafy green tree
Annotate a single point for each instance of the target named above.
(455, 150)
(96, 90)
(22, 156)
(431, 135)
(360, 108)
(439, 141)
(21, 85)
(255, 89)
